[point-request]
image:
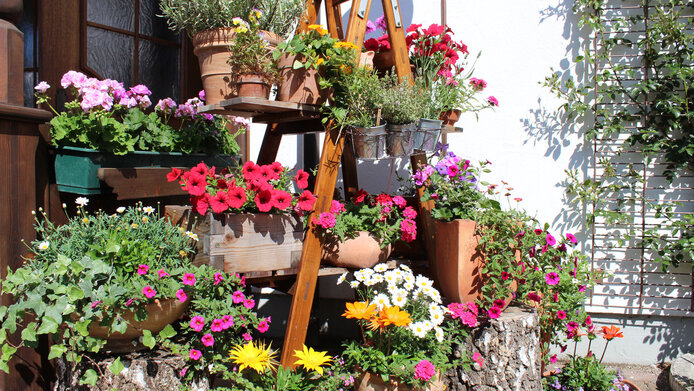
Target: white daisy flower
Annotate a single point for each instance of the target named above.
(424, 282)
(390, 277)
(342, 278)
(435, 296)
(354, 284)
(82, 201)
(399, 300)
(418, 329)
(148, 210)
(392, 288)
(370, 282)
(406, 268)
(438, 333)
(360, 275)
(436, 316)
(43, 246)
(418, 294)
(381, 267)
(427, 325)
(409, 286)
(192, 235)
(377, 277)
(381, 301)
(408, 278)
(122, 209)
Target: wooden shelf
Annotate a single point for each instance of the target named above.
(451, 129)
(264, 110)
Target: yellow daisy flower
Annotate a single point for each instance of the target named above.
(311, 359)
(258, 357)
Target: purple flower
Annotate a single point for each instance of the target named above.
(201, 95)
(42, 87)
(140, 90)
(165, 105)
(381, 23)
(552, 278)
(144, 102)
(370, 27)
(420, 177)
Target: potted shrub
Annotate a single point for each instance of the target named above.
(97, 282)
(105, 125)
(408, 335)
(304, 62)
(210, 24)
(255, 220)
(359, 234)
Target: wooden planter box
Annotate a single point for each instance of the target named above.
(243, 243)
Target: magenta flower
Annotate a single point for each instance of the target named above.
(492, 101)
(194, 354)
(189, 279)
(149, 292)
(552, 278)
(571, 238)
(142, 270)
(228, 321)
(409, 213)
(197, 323)
(561, 314)
(162, 273)
(494, 312)
(96, 304)
(505, 276)
(553, 359)
(424, 370)
(181, 295)
(478, 358)
(550, 240)
(238, 297)
(218, 277)
(201, 95)
(208, 340)
(538, 231)
(183, 372)
(249, 303)
(263, 326)
(42, 87)
(499, 303)
(572, 326)
(217, 325)
(247, 337)
(534, 297)
(478, 84)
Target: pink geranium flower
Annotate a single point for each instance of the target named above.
(478, 358)
(424, 370)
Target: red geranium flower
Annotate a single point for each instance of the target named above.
(434, 29)
(219, 202)
(237, 197)
(301, 179)
(174, 174)
(250, 171)
(359, 196)
(384, 199)
(195, 185)
(263, 200)
(413, 27)
(281, 199)
(306, 201)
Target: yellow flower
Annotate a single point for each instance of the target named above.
(359, 310)
(145, 219)
(257, 357)
(320, 60)
(241, 29)
(134, 226)
(237, 21)
(85, 220)
(343, 44)
(311, 359)
(318, 28)
(182, 254)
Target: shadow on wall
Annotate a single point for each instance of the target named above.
(550, 126)
(673, 339)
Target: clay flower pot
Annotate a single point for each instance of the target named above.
(299, 85)
(252, 86)
(450, 117)
(363, 251)
(368, 381)
(458, 263)
(212, 49)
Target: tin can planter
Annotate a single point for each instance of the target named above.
(368, 381)
(400, 140)
(427, 134)
(360, 252)
(252, 86)
(368, 143)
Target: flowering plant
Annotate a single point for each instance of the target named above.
(587, 372)
(249, 52)
(92, 271)
(256, 369)
(252, 188)
(386, 217)
(408, 334)
(103, 115)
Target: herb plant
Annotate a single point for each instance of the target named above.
(355, 98)
(249, 53)
(400, 101)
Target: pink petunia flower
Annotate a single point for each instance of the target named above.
(218, 278)
(228, 321)
(195, 354)
(238, 297)
(162, 273)
(263, 327)
(181, 295)
(189, 279)
(571, 238)
(247, 337)
(207, 340)
(149, 292)
(494, 312)
(551, 241)
(552, 278)
(561, 314)
(197, 323)
(249, 303)
(142, 270)
(217, 325)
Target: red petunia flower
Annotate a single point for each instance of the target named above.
(277, 168)
(306, 201)
(301, 179)
(263, 200)
(267, 173)
(236, 197)
(281, 199)
(219, 202)
(371, 44)
(195, 185)
(174, 174)
(413, 27)
(250, 171)
(200, 169)
(200, 203)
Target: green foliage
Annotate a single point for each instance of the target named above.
(193, 16)
(400, 102)
(250, 53)
(642, 105)
(355, 98)
(585, 373)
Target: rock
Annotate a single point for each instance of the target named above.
(155, 370)
(682, 373)
(510, 347)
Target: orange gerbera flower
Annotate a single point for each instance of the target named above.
(393, 315)
(611, 332)
(360, 310)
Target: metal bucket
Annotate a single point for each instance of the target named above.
(368, 143)
(427, 134)
(399, 141)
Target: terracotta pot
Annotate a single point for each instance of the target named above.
(212, 49)
(159, 315)
(363, 251)
(366, 59)
(450, 117)
(252, 86)
(299, 85)
(368, 381)
(632, 386)
(384, 61)
(459, 263)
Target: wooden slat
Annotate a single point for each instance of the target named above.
(331, 16)
(271, 143)
(428, 224)
(356, 28)
(311, 255)
(145, 182)
(451, 129)
(278, 118)
(397, 41)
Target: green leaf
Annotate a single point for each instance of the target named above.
(29, 333)
(57, 351)
(83, 327)
(4, 367)
(75, 293)
(48, 326)
(116, 367)
(112, 247)
(148, 339)
(167, 333)
(7, 352)
(89, 377)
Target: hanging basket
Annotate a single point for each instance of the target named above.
(368, 143)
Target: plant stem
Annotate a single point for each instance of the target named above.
(603, 351)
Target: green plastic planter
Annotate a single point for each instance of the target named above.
(76, 169)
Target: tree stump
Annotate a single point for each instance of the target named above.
(142, 371)
(510, 347)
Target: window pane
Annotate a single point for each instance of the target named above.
(153, 25)
(114, 13)
(29, 83)
(159, 70)
(26, 25)
(110, 54)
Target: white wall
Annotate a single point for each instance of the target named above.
(524, 138)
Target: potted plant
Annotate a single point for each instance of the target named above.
(210, 24)
(304, 62)
(252, 67)
(105, 125)
(359, 234)
(401, 104)
(255, 220)
(407, 334)
(96, 283)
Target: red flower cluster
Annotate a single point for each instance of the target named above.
(436, 40)
(380, 44)
(254, 188)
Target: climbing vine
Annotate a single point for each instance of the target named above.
(637, 92)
